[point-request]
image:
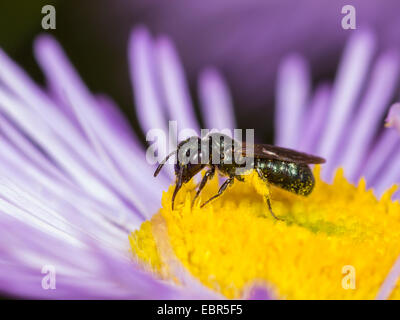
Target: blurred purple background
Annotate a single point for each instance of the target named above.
(246, 40)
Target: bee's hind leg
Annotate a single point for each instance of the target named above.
(270, 209)
(260, 174)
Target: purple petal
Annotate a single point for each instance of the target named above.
(368, 118)
(216, 101)
(292, 94)
(150, 111)
(316, 118)
(36, 114)
(174, 85)
(259, 292)
(64, 78)
(390, 282)
(396, 195)
(30, 152)
(389, 175)
(145, 77)
(380, 155)
(18, 83)
(348, 83)
(67, 158)
(96, 274)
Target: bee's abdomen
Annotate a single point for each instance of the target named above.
(293, 177)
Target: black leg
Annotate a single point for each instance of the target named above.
(221, 190)
(267, 197)
(207, 176)
(270, 209)
(178, 186)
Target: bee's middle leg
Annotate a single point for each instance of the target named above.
(221, 190)
(207, 176)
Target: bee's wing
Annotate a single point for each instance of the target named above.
(267, 151)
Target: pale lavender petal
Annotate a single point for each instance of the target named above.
(380, 155)
(87, 111)
(66, 158)
(315, 119)
(21, 86)
(389, 175)
(62, 205)
(348, 83)
(36, 114)
(390, 282)
(87, 266)
(98, 274)
(259, 292)
(145, 77)
(393, 118)
(149, 288)
(367, 120)
(292, 94)
(128, 150)
(174, 85)
(38, 216)
(31, 153)
(216, 101)
(143, 69)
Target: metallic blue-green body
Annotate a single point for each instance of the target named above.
(293, 177)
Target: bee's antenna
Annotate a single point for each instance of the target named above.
(162, 163)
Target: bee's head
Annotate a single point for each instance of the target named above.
(190, 158)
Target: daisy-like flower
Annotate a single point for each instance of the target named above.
(78, 198)
(340, 228)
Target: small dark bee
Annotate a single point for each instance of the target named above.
(284, 168)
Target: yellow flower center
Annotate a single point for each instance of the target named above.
(340, 242)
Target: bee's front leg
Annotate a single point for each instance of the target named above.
(179, 182)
